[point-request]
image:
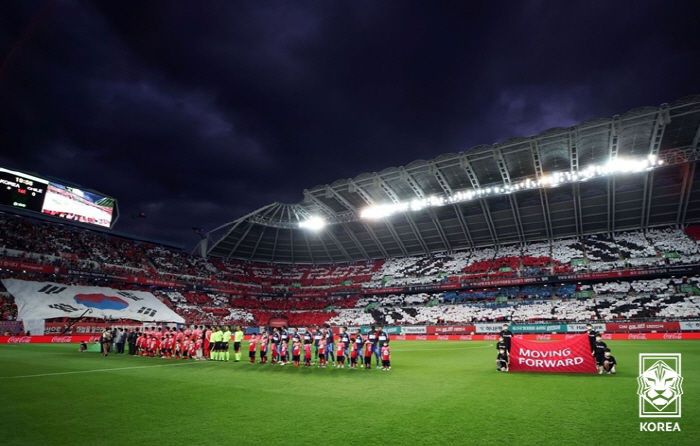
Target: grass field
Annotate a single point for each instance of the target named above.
(438, 393)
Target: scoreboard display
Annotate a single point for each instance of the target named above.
(21, 190)
(31, 193)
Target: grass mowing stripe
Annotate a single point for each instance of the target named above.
(96, 370)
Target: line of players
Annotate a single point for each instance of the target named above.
(353, 349)
(212, 343)
(605, 361)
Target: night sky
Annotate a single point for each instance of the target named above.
(196, 115)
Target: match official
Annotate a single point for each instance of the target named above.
(226, 338)
(237, 339)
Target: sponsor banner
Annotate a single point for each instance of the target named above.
(507, 282)
(636, 327)
(488, 328)
(388, 290)
(565, 356)
(415, 330)
(608, 336)
(390, 330)
(690, 326)
(580, 328)
(46, 339)
(672, 270)
(310, 294)
(47, 300)
(154, 282)
(550, 337)
(538, 328)
(84, 327)
(28, 266)
(432, 286)
(451, 329)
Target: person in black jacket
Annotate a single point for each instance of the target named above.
(507, 336)
(131, 339)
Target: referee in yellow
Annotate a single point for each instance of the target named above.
(237, 339)
(216, 338)
(225, 339)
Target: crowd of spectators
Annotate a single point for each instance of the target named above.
(64, 245)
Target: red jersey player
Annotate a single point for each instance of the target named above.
(339, 355)
(386, 357)
(307, 355)
(368, 354)
(198, 345)
(185, 347)
(283, 353)
(296, 353)
(264, 341)
(322, 353)
(353, 355)
(251, 348)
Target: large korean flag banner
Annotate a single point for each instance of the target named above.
(567, 356)
(45, 300)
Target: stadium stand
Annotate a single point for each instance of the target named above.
(83, 251)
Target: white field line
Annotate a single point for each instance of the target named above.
(93, 371)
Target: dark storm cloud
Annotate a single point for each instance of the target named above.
(197, 115)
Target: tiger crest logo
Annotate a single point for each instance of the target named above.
(659, 385)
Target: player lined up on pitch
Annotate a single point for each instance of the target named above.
(315, 345)
(319, 344)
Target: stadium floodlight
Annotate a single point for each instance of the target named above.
(313, 223)
(617, 166)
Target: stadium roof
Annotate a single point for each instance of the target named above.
(665, 195)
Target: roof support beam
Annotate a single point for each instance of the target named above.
(379, 182)
(356, 241)
(416, 232)
(354, 187)
(500, 161)
(406, 176)
(463, 224)
(396, 237)
(544, 201)
(274, 246)
(330, 211)
(337, 242)
(696, 142)
(686, 188)
(342, 200)
(578, 213)
(663, 117)
(611, 204)
(445, 185)
(573, 149)
(442, 180)
(375, 239)
(308, 246)
(615, 131)
(245, 234)
(576, 190)
(646, 198)
(466, 165)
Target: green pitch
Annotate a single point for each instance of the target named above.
(438, 393)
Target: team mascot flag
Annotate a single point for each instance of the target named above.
(567, 356)
(46, 300)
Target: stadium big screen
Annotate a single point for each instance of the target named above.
(32, 193)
